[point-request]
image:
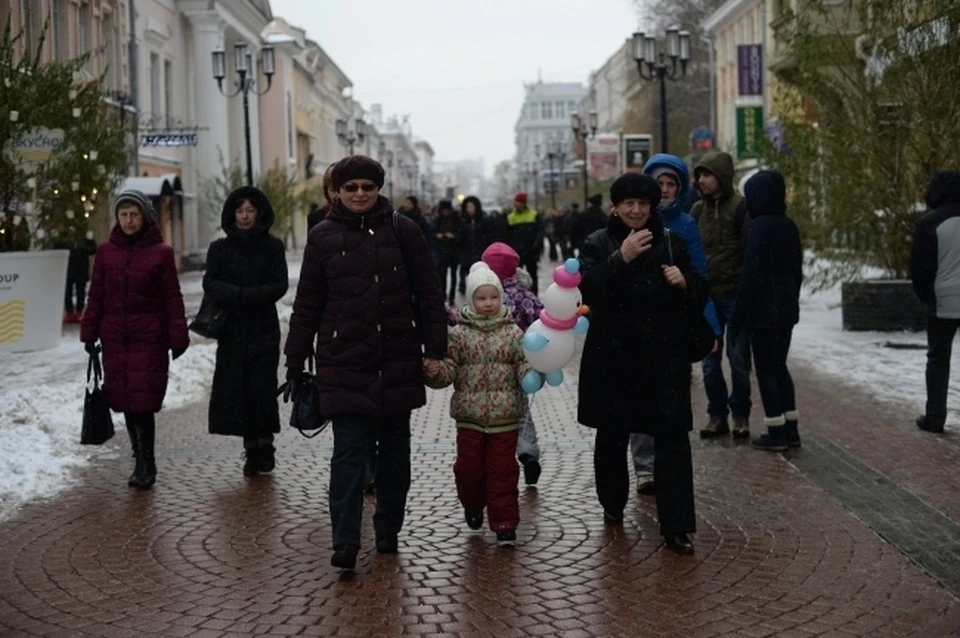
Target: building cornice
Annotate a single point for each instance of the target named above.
(727, 13)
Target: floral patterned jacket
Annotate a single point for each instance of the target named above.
(485, 364)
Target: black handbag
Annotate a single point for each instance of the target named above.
(305, 415)
(97, 422)
(209, 319)
(699, 335)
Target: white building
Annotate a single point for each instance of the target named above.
(544, 120)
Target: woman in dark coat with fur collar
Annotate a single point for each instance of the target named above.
(247, 275)
(635, 372)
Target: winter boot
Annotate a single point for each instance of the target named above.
(251, 465)
(717, 426)
(146, 464)
(741, 427)
(265, 455)
(793, 434)
(930, 424)
(132, 432)
(345, 556)
(775, 440)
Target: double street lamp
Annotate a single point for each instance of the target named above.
(349, 138)
(246, 83)
(653, 66)
(580, 133)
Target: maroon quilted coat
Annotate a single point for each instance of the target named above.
(136, 311)
(353, 296)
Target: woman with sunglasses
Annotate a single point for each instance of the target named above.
(370, 295)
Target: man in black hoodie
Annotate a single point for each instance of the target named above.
(935, 272)
(587, 222)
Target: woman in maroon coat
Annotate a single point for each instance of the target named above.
(136, 311)
(370, 295)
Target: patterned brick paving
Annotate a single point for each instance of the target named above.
(209, 553)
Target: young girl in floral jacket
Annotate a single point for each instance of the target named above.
(485, 364)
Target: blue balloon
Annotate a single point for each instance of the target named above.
(572, 265)
(555, 377)
(531, 382)
(535, 341)
(581, 327)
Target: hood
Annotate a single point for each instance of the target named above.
(472, 319)
(259, 201)
(666, 160)
(765, 194)
(476, 202)
(944, 189)
(721, 165)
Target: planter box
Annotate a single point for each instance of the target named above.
(32, 286)
(882, 304)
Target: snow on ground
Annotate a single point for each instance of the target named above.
(41, 403)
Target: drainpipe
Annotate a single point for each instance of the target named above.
(708, 40)
(134, 85)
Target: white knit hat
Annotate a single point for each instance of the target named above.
(481, 275)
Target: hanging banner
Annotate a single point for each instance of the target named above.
(750, 69)
(750, 131)
(31, 301)
(636, 152)
(603, 156)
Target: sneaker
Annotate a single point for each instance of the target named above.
(265, 459)
(645, 485)
(717, 426)
(507, 538)
(531, 471)
(251, 464)
(345, 556)
(930, 424)
(386, 543)
(610, 518)
(474, 519)
(741, 427)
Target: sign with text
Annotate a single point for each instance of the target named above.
(603, 156)
(749, 131)
(30, 314)
(750, 69)
(636, 152)
(35, 145)
(178, 139)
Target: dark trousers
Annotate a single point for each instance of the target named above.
(351, 436)
(78, 287)
(448, 277)
(770, 350)
(487, 472)
(464, 271)
(672, 474)
(530, 263)
(940, 334)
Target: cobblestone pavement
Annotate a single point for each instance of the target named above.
(856, 534)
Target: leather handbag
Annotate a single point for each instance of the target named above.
(305, 415)
(209, 319)
(97, 426)
(699, 335)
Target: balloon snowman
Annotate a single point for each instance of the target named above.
(549, 342)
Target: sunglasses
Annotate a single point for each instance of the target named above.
(353, 188)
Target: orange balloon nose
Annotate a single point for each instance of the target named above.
(584, 309)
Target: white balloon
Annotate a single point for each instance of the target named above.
(556, 354)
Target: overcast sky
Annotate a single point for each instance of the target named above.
(457, 67)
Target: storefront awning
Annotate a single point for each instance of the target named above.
(168, 184)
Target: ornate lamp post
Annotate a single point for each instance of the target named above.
(350, 138)
(653, 66)
(390, 173)
(580, 134)
(245, 84)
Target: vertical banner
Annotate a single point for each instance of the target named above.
(31, 299)
(636, 152)
(750, 69)
(603, 156)
(749, 131)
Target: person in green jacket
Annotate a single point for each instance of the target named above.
(723, 222)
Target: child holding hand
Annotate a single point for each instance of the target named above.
(485, 364)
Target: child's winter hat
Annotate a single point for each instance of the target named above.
(502, 260)
(481, 275)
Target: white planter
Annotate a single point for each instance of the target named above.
(32, 286)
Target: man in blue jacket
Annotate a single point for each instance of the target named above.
(671, 173)
(935, 272)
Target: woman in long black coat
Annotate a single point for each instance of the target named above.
(635, 372)
(247, 275)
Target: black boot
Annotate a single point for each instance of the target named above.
(132, 432)
(793, 432)
(146, 464)
(265, 456)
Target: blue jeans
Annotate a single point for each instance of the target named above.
(351, 437)
(720, 402)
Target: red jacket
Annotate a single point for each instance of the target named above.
(136, 311)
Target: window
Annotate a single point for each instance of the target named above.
(32, 15)
(168, 92)
(108, 59)
(751, 34)
(534, 110)
(561, 110)
(61, 31)
(83, 31)
(155, 88)
(289, 109)
(546, 110)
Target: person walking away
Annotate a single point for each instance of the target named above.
(524, 307)
(78, 274)
(246, 276)
(370, 296)
(673, 178)
(634, 372)
(935, 273)
(724, 224)
(135, 310)
(564, 226)
(446, 234)
(411, 208)
(768, 304)
(524, 227)
(585, 224)
(485, 364)
(474, 237)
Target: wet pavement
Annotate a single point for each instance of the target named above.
(855, 534)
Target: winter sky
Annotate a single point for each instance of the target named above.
(457, 67)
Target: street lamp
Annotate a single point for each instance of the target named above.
(555, 152)
(653, 66)
(581, 133)
(246, 82)
(349, 138)
(390, 173)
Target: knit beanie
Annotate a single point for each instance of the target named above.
(635, 186)
(138, 198)
(657, 172)
(481, 275)
(502, 260)
(357, 167)
(520, 198)
(596, 200)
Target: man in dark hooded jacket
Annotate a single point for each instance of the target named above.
(723, 227)
(589, 221)
(935, 272)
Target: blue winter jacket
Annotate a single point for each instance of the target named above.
(678, 221)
